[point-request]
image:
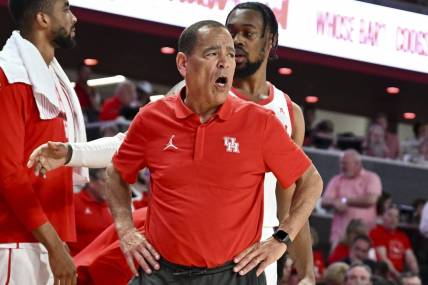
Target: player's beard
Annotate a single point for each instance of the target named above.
(250, 67)
(62, 39)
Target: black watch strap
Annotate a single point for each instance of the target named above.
(69, 154)
(283, 237)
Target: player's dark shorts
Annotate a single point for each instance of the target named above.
(182, 275)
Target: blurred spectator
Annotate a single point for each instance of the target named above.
(319, 263)
(92, 213)
(289, 274)
(124, 96)
(358, 274)
(391, 138)
(421, 156)
(375, 143)
(144, 91)
(335, 274)
(88, 96)
(349, 140)
(381, 275)
(410, 278)
(411, 147)
(418, 205)
(359, 252)
(110, 129)
(384, 202)
(309, 113)
(355, 227)
(392, 245)
(322, 135)
(377, 280)
(351, 194)
(423, 226)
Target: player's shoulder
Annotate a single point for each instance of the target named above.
(278, 93)
(253, 109)
(15, 88)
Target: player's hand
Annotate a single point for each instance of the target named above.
(47, 157)
(260, 254)
(135, 246)
(62, 266)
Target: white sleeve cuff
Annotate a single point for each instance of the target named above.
(95, 154)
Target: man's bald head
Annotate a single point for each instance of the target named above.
(350, 163)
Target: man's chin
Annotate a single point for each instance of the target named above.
(67, 44)
(221, 95)
(64, 42)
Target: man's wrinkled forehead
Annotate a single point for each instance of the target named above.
(210, 38)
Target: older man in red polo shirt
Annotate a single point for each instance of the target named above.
(227, 113)
(207, 168)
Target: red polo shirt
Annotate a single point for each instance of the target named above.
(207, 179)
(395, 242)
(27, 201)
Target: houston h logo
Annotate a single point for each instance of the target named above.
(231, 144)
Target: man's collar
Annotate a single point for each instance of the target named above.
(182, 111)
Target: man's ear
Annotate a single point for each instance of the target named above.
(42, 20)
(181, 61)
(271, 43)
(273, 39)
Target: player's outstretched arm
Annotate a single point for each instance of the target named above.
(93, 154)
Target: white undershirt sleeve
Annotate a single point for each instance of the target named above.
(97, 153)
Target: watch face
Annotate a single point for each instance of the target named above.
(281, 235)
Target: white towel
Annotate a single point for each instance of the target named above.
(22, 62)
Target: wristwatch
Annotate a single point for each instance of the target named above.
(283, 237)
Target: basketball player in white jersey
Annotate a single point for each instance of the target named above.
(255, 32)
(254, 28)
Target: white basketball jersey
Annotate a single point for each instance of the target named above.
(276, 102)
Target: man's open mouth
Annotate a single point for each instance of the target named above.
(221, 81)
